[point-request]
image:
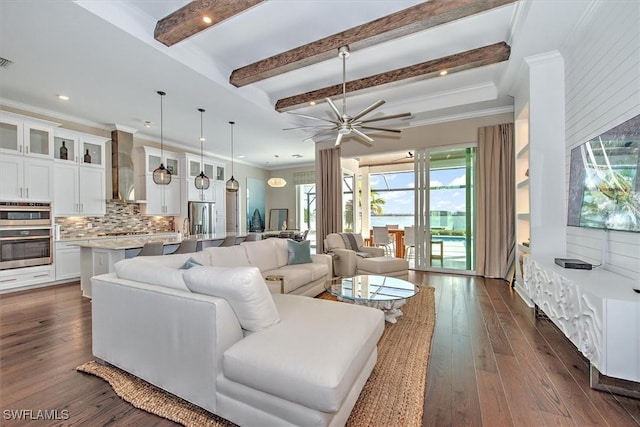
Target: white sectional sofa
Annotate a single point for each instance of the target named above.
(216, 337)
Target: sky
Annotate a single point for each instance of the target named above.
(400, 202)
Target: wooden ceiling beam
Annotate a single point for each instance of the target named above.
(411, 20)
(475, 58)
(188, 20)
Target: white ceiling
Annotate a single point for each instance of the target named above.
(103, 56)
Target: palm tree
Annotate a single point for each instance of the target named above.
(376, 207)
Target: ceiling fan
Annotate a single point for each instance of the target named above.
(343, 122)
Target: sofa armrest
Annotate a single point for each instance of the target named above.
(371, 250)
(345, 264)
(134, 322)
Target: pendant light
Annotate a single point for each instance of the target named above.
(202, 180)
(232, 184)
(161, 175)
(275, 181)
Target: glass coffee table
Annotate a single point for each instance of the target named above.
(385, 293)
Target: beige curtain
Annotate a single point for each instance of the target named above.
(496, 201)
(328, 195)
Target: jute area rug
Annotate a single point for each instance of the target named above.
(392, 396)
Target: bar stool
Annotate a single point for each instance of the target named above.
(186, 247)
(229, 241)
(152, 249)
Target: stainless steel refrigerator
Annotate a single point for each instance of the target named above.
(202, 217)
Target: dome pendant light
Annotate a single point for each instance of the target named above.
(232, 184)
(202, 181)
(275, 181)
(161, 175)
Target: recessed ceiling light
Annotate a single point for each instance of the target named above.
(312, 103)
(296, 156)
(443, 72)
(207, 20)
(147, 124)
(241, 156)
(63, 97)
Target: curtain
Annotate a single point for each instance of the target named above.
(328, 195)
(496, 201)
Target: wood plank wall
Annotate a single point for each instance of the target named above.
(602, 65)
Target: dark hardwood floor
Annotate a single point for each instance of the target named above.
(491, 363)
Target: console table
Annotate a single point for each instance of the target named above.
(598, 311)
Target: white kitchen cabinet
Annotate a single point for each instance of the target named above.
(26, 168)
(193, 167)
(26, 136)
(67, 260)
(80, 177)
(160, 199)
(26, 277)
(25, 178)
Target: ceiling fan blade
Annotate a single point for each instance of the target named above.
(367, 110)
(362, 138)
(381, 129)
(310, 127)
(321, 132)
(338, 140)
(310, 117)
(394, 116)
(334, 108)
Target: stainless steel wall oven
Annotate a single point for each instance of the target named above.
(26, 238)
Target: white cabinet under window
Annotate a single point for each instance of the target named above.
(79, 174)
(160, 199)
(26, 166)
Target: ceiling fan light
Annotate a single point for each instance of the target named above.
(277, 182)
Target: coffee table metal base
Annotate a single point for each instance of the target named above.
(391, 309)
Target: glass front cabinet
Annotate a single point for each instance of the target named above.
(160, 199)
(79, 174)
(26, 167)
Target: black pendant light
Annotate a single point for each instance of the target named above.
(161, 175)
(202, 180)
(232, 184)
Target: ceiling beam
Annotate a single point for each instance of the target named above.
(408, 21)
(475, 58)
(188, 20)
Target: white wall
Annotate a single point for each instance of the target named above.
(602, 87)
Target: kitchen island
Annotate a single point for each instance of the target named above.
(99, 256)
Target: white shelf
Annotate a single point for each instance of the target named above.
(523, 153)
(524, 215)
(524, 183)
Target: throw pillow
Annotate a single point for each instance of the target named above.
(242, 287)
(140, 270)
(189, 263)
(299, 252)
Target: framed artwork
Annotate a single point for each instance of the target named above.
(256, 189)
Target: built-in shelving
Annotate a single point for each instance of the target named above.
(523, 228)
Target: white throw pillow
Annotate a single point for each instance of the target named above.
(242, 287)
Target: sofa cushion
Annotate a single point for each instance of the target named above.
(382, 265)
(142, 270)
(262, 254)
(242, 287)
(228, 256)
(282, 250)
(299, 252)
(294, 276)
(296, 360)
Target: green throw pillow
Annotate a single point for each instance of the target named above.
(299, 252)
(189, 263)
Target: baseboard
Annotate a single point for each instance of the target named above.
(601, 382)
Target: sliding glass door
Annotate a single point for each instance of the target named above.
(445, 208)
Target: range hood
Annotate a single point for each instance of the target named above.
(122, 166)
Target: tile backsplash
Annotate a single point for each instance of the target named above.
(120, 217)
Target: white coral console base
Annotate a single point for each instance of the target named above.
(596, 309)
